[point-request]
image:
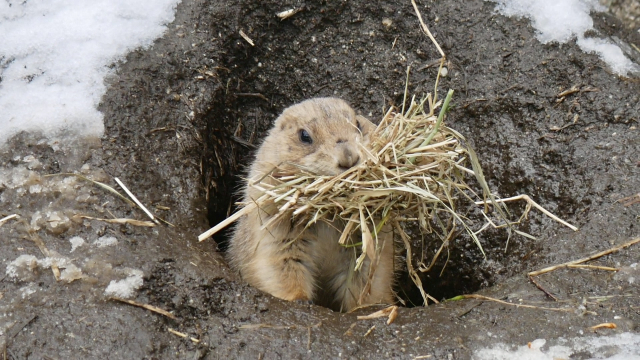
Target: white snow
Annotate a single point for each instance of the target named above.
(75, 242)
(610, 347)
(105, 241)
(555, 20)
(71, 273)
(54, 56)
(28, 290)
(563, 20)
(125, 288)
(24, 266)
(609, 53)
(28, 262)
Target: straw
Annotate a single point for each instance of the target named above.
(415, 174)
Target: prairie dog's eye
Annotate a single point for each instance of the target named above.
(358, 125)
(305, 137)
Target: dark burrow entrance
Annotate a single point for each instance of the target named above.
(296, 59)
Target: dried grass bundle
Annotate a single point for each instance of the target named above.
(414, 171)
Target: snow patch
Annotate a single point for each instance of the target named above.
(563, 20)
(76, 241)
(24, 267)
(27, 291)
(125, 288)
(554, 20)
(28, 262)
(105, 241)
(615, 347)
(54, 56)
(71, 273)
(609, 53)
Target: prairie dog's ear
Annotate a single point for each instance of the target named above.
(366, 126)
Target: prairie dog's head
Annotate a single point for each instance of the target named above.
(319, 135)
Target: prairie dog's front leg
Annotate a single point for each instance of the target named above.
(282, 265)
(347, 288)
(373, 282)
(322, 136)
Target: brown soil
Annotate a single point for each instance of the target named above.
(183, 116)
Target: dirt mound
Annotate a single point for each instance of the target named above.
(183, 117)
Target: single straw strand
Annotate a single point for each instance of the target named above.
(426, 29)
(7, 218)
(135, 199)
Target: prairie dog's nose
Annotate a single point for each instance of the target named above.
(347, 157)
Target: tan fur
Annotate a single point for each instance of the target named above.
(314, 267)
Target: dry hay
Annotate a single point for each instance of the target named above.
(414, 171)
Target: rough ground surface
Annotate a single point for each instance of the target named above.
(181, 117)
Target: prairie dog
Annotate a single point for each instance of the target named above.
(321, 136)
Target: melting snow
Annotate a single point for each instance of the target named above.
(75, 242)
(125, 288)
(624, 346)
(563, 20)
(23, 268)
(106, 241)
(55, 54)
